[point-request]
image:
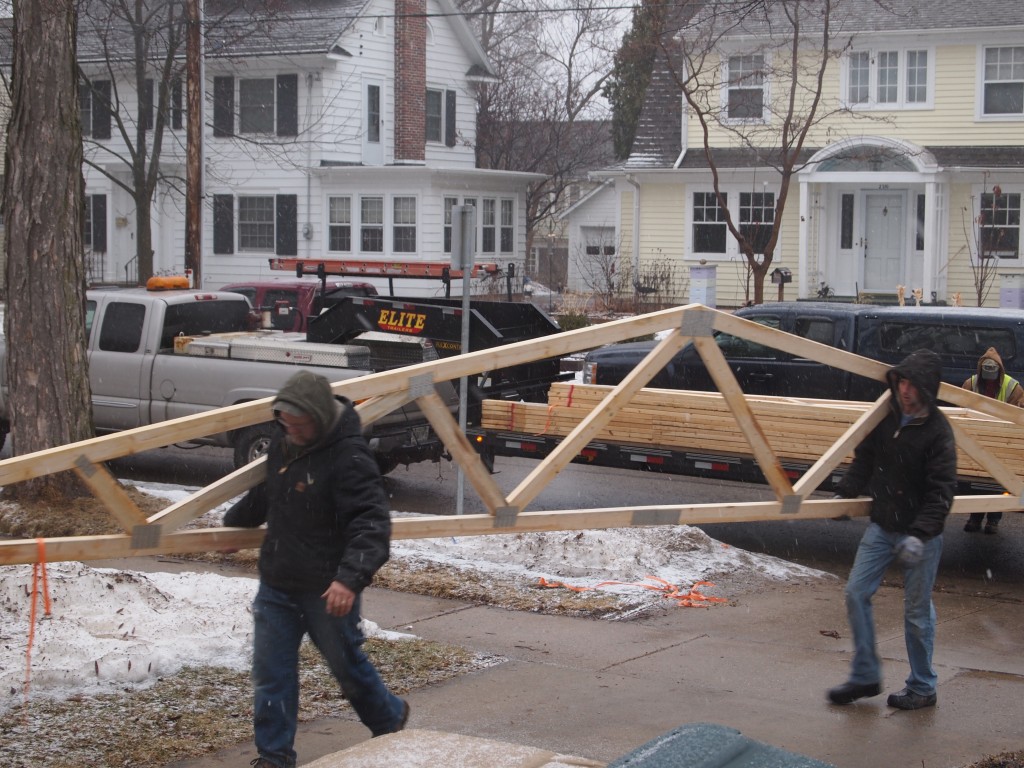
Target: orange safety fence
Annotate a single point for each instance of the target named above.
(38, 575)
(691, 598)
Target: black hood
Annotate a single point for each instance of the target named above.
(923, 369)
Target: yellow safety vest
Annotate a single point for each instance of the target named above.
(1004, 389)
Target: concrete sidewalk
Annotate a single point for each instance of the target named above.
(599, 689)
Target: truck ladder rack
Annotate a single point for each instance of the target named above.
(433, 270)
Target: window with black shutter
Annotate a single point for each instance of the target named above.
(146, 106)
(449, 118)
(286, 218)
(99, 223)
(177, 111)
(100, 93)
(287, 105)
(223, 107)
(223, 224)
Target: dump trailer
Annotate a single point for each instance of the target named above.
(492, 324)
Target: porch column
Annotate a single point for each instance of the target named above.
(802, 290)
(931, 241)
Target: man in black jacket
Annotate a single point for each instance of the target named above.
(907, 464)
(328, 532)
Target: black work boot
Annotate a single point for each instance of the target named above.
(850, 692)
(907, 699)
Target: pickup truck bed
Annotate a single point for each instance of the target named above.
(155, 356)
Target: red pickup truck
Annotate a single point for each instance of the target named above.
(290, 302)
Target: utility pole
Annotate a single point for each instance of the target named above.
(463, 256)
(194, 143)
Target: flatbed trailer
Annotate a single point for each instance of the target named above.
(647, 458)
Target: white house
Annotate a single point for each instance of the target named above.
(333, 129)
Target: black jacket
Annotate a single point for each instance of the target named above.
(909, 471)
(325, 508)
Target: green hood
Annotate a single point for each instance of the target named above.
(311, 394)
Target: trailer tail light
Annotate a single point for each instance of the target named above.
(522, 446)
(714, 466)
(642, 458)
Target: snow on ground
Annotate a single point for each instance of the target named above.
(110, 629)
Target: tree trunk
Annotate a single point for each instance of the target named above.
(49, 401)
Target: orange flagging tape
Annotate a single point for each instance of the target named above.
(692, 598)
(551, 411)
(544, 431)
(38, 574)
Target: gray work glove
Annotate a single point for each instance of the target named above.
(841, 518)
(909, 551)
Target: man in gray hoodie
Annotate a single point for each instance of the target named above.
(328, 532)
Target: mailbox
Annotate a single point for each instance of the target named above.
(781, 275)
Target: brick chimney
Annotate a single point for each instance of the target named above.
(410, 81)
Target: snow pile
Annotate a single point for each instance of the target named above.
(110, 627)
(682, 555)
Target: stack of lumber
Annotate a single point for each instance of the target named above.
(798, 429)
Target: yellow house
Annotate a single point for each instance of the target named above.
(906, 176)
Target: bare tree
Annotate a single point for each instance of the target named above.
(49, 401)
(988, 238)
(787, 45)
(599, 270)
(139, 42)
(545, 114)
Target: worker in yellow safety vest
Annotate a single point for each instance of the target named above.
(991, 380)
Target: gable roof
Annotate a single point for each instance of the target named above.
(861, 16)
(255, 28)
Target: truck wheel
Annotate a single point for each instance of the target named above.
(251, 443)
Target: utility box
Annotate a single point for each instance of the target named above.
(1011, 291)
(702, 285)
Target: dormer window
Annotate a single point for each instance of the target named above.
(1003, 81)
(888, 79)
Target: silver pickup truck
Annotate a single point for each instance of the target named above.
(155, 356)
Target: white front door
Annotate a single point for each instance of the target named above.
(373, 121)
(884, 241)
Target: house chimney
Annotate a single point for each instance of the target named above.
(410, 81)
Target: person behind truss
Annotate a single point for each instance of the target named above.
(907, 464)
(328, 532)
(992, 381)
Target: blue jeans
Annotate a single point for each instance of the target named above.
(280, 621)
(874, 555)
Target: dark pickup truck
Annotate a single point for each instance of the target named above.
(960, 335)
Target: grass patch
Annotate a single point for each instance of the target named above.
(199, 710)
